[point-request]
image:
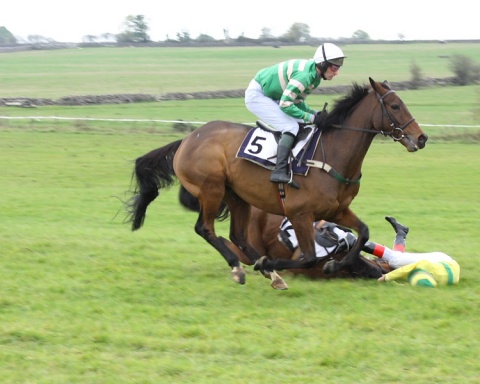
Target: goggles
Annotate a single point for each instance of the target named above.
(334, 67)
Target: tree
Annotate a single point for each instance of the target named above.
(266, 33)
(465, 69)
(203, 38)
(6, 37)
(360, 35)
(39, 39)
(298, 32)
(416, 75)
(107, 36)
(135, 30)
(184, 37)
(89, 38)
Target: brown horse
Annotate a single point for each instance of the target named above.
(205, 163)
(262, 234)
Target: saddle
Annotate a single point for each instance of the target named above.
(261, 143)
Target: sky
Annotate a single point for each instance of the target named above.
(70, 20)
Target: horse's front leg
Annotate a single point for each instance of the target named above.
(303, 226)
(304, 230)
(350, 220)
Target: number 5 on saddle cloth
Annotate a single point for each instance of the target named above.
(260, 147)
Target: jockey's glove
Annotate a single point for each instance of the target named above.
(319, 118)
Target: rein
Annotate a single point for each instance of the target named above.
(396, 133)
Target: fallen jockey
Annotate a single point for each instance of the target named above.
(422, 269)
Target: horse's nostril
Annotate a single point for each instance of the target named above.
(422, 139)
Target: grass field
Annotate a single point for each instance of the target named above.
(85, 300)
(94, 71)
(59, 73)
(445, 113)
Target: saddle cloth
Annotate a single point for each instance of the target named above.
(260, 147)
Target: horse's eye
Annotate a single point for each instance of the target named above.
(395, 107)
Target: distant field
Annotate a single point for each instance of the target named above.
(93, 71)
(443, 110)
(59, 73)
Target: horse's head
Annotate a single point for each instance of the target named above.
(395, 120)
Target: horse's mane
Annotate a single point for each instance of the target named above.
(345, 105)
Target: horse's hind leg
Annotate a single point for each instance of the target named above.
(239, 219)
(205, 228)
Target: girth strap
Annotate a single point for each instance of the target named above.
(331, 171)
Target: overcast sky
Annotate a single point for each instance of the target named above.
(69, 20)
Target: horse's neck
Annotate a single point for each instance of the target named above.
(349, 145)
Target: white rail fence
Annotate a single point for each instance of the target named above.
(172, 121)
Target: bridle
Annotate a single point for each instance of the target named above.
(397, 131)
(396, 134)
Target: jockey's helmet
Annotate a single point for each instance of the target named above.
(329, 53)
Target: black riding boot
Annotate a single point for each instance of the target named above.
(281, 172)
(401, 232)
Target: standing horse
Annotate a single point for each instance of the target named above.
(205, 163)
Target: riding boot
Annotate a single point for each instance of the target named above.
(374, 249)
(401, 232)
(281, 172)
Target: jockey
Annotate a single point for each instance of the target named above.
(277, 95)
(422, 269)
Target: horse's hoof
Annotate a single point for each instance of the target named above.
(329, 267)
(278, 282)
(260, 264)
(238, 275)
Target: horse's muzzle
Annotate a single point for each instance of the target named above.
(422, 140)
(413, 145)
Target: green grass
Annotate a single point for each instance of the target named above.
(93, 71)
(60, 73)
(84, 300)
(440, 110)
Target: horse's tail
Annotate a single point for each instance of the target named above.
(152, 172)
(193, 204)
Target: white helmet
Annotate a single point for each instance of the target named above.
(330, 53)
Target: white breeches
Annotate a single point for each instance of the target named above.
(268, 110)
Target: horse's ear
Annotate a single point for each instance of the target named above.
(374, 85)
